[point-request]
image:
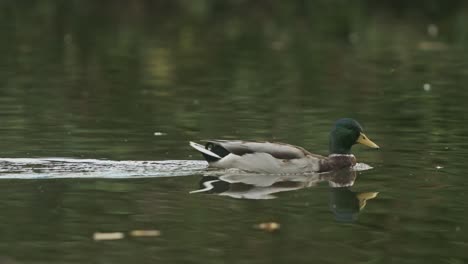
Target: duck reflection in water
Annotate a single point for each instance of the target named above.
(344, 203)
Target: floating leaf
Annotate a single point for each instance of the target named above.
(145, 233)
(98, 236)
(268, 226)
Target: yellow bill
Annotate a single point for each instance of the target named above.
(363, 139)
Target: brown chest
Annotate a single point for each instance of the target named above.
(335, 162)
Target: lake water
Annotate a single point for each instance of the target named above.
(98, 102)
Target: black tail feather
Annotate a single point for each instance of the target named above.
(217, 149)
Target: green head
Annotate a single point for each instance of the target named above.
(345, 134)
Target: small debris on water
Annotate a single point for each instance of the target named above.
(159, 134)
(427, 87)
(268, 226)
(432, 30)
(98, 236)
(145, 233)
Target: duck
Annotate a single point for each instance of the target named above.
(282, 158)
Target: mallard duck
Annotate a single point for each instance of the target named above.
(269, 157)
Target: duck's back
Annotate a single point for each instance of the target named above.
(277, 150)
(259, 156)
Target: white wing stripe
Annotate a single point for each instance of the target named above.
(203, 150)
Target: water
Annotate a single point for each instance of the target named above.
(98, 102)
(56, 168)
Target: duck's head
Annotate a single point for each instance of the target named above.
(345, 133)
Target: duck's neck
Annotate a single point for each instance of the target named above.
(339, 150)
(339, 144)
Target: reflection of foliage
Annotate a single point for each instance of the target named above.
(130, 67)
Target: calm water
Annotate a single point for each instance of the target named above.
(98, 102)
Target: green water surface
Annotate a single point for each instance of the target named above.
(137, 80)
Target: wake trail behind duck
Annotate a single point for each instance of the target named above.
(53, 168)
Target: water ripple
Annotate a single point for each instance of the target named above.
(52, 168)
